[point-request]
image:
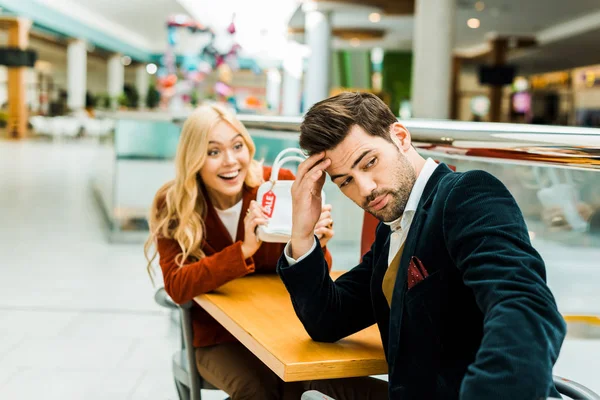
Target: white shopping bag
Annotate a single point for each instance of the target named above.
(276, 197)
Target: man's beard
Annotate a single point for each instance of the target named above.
(404, 178)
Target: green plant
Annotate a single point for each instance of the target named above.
(153, 97)
(91, 101)
(3, 119)
(103, 101)
(194, 97)
(133, 97)
(122, 100)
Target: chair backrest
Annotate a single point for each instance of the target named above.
(187, 344)
(574, 390)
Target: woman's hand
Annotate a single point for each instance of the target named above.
(255, 216)
(324, 228)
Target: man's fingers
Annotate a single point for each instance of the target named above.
(313, 164)
(309, 163)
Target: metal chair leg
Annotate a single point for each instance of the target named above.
(183, 391)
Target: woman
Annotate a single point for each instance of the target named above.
(203, 226)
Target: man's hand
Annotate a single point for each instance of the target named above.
(306, 202)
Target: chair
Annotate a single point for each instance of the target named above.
(573, 390)
(187, 379)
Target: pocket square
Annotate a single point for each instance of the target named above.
(416, 272)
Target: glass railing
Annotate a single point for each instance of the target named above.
(553, 173)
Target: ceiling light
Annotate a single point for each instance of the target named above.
(354, 42)
(125, 60)
(151, 68)
(473, 23)
(480, 6)
(374, 17)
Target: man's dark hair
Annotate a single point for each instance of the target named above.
(328, 122)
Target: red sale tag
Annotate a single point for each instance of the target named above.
(268, 202)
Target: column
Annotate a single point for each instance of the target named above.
(499, 50)
(318, 38)
(455, 90)
(76, 74)
(18, 36)
(116, 78)
(142, 82)
(292, 80)
(273, 89)
(432, 58)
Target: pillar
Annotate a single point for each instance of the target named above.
(116, 78)
(18, 36)
(76, 74)
(499, 49)
(142, 82)
(432, 58)
(318, 38)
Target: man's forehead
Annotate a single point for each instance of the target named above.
(344, 155)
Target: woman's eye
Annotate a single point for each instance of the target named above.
(238, 146)
(213, 152)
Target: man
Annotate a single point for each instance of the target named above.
(457, 290)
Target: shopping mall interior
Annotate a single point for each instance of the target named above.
(93, 97)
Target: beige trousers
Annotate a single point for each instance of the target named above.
(236, 371)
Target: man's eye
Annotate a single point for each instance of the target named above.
(346, 182)
(371, 163)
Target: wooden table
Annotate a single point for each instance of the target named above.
(258, 311)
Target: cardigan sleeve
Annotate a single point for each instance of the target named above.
(192, 279)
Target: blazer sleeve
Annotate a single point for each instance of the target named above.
(192, 279)
(329, 310)
(523, 331)
(287, 175)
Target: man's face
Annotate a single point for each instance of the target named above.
(373, 173)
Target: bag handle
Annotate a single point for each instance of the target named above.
(277, 166)
(287, 151)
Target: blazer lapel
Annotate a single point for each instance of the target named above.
(414, 235)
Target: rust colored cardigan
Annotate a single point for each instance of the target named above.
(223, 262)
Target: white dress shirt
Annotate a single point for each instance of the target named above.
(399, 227)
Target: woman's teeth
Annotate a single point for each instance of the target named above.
(230, 175)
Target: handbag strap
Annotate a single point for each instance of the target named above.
(277, 166)
(287, 151)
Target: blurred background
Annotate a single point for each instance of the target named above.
(93, 95)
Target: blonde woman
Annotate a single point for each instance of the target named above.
(202, 227)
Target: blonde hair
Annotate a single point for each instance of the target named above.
(179, 207)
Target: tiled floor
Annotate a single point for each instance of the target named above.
(77, 315)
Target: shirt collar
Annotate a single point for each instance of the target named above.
(415, 193)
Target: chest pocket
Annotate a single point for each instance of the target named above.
(424, 310)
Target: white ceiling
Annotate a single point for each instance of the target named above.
(516, 17)
(142, 22)
(146, 18)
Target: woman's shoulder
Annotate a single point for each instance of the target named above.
(284, 174)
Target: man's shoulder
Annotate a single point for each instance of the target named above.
(464, 180)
